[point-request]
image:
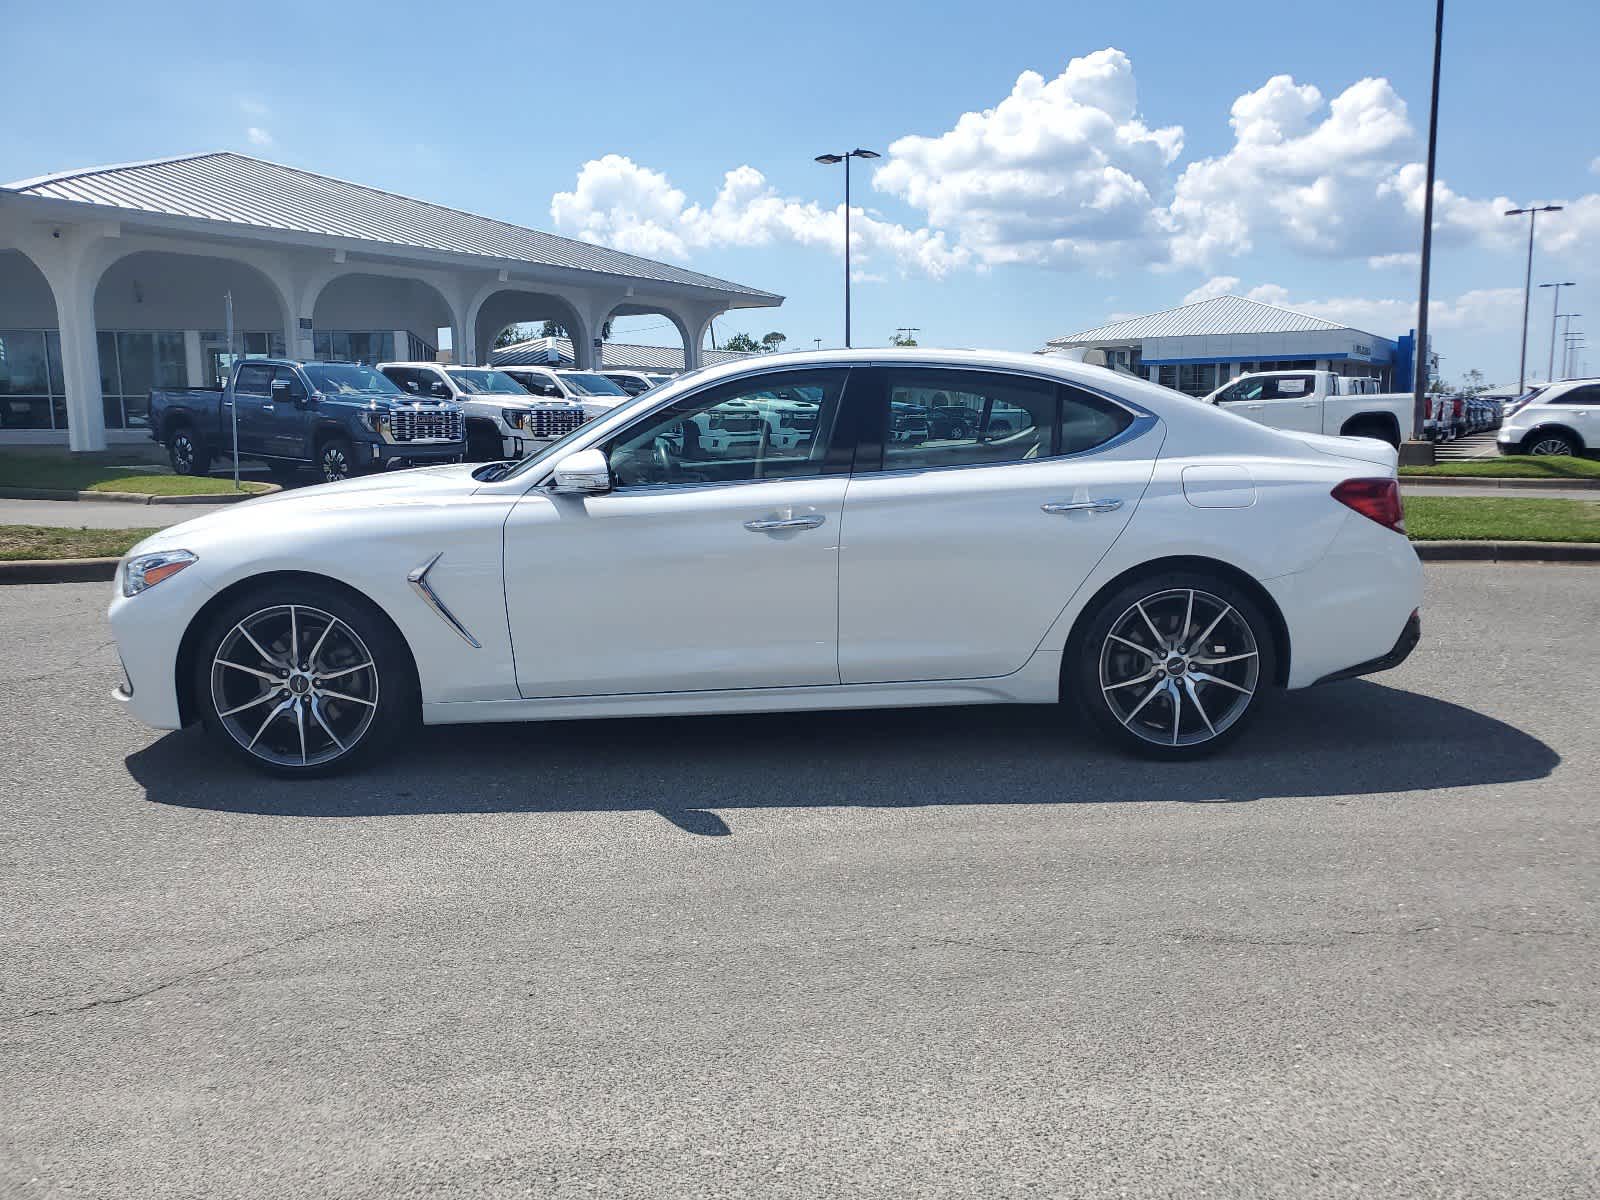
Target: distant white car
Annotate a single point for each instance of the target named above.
(1163, 564)
(1563, 418)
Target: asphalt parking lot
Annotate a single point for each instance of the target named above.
(952, 953)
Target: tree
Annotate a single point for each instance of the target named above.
(551, 329)
(1474, 383)
(511, 335)
(742, 342)
(773, 342)
(902, 339)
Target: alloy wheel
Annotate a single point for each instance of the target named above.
(294, 686)
(1551, 445)
(183, 454)
(335, 466)
(1179, 667)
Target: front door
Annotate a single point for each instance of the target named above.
(959, 552)
(252, 399)
(712, 564)
(288, 425)
(1281, 401)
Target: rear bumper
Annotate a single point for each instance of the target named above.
(1409, 637)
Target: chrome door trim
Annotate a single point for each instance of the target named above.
(418, 579)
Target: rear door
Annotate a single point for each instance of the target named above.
(959, 552)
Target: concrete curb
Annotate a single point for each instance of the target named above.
(1509, 552)
(101, 570)
(1510, 485)
(16, 493)
(59, 570)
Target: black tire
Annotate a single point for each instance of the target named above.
(376, 707)
(1550, 441)
(1101, 671)
(336, 460)
(187, 453)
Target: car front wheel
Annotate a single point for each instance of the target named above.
(303, 680)
(1551, 443)
(1173, 666)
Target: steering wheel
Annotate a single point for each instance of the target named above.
(666, 466)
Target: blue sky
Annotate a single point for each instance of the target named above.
(1077, 200)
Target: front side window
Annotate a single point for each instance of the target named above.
(586, 383)
(774, 427)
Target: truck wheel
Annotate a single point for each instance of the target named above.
(336, 460)
(187, 453)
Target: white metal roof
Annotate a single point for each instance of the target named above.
(617, 355)
(1205, 318)
(240, 190)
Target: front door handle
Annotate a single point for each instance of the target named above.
(771, 524)
(1105, 504)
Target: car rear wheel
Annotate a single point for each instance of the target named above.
(303, 680)
(1173, 666)
(187, 453)
(1551, 443)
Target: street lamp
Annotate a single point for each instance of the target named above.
(1550, 371)
(1527, 281)
(1566, 343)
(829, 160)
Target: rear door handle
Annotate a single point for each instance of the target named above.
(1106, 504)
(770, 524)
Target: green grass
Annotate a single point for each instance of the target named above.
(1521, 466)
(57, 470)
(38, 541)
(1497, 519)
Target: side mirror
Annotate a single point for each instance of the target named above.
(582, 473)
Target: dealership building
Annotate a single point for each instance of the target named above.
(618, 356)
(113, 281)
(1200, 346)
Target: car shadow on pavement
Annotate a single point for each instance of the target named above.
(1351, 738)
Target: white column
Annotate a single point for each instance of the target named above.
(80, 364)
(193, 360)
(402, 345)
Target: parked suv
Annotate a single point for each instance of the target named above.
(1564, 418)
(341, 418)
(503, 420)
(594, 391)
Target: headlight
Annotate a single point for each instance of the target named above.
(376, 420)
(514, 417)
(147, 570)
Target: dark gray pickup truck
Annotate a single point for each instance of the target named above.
(341, 419)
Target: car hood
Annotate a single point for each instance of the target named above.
(391, 491)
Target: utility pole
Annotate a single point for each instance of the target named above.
(902, 335)
(1527, 284)
(1566, 344)
(1555, 305)
(1419, 399)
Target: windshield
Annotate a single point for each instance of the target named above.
(586, 384)
(496, 383)
(349, 379)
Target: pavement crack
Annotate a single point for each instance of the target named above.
(184, 977)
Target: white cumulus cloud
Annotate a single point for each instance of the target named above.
(617, 202)
(258, 136)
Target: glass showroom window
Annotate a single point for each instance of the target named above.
(355, 345)
(218, 362)
(31, 391)
(130, 365)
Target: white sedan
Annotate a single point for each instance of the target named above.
(1165, 566)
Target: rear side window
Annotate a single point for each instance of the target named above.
(1578, 395)
(939, 418)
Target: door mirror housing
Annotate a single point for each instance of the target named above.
(582, 473)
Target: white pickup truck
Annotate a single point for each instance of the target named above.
(1318, 402)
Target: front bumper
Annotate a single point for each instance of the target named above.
(1409, 637)
(383, 454)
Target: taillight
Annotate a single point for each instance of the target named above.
(1376, 499)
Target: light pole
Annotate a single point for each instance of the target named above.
(1527, 283)
(1550, 371)
(1419, 399)
(829, 160)
(1566, 342)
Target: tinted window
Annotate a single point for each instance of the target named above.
(402, 377)
(631, 384)
(1273, 387)
(287, 375)
(587, 384)
(253, 380)
(776, 427)
(1578, 395)
(537, 382)
(965, 418)
(482, 379)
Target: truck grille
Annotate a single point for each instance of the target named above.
(741, 424)
(425, 425)
(552, 423)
